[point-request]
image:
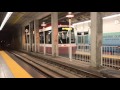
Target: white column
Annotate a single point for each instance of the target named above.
(23, 38)
(70, 47)
(31, 36)
(29, 44)
(54, 21)
(26, 33)
(27, 40)
(36, 33)
(44, 41)
(96, 38)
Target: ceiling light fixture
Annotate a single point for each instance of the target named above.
(5, 19)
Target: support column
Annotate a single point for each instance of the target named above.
(27, 40)
(54, 21)
(96, 38)
(36, 33)
(70, 47)
(23, 37)
(31, 35)
(29, 44)
(44, 41)
(20, 38)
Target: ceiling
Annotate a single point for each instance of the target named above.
(2, 15)
(20, 17)
(17, 18)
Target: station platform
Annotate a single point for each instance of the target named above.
(105, 71)
(10, 69)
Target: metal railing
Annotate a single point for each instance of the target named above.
(111, 62)
(83, 48)
(83, 53)
(110, 55)
(110, 50)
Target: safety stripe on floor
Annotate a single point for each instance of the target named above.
(15, 68)
(4, 69)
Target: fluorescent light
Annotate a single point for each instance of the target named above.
(5, 19)
(107, 17)
(112, 16)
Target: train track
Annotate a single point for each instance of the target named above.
(47, 70)
(55, 69)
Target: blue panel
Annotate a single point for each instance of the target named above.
(110, 39)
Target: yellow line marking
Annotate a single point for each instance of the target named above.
(16, 69)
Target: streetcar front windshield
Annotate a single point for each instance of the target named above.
(64, 34)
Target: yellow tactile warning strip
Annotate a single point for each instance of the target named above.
(16, 69)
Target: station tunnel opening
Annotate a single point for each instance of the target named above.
(5, 40)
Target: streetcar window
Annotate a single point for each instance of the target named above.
(26, 34)
(72, 37)
(41, 37)
(33, 38)
(48, 37)
(60, 37)
(82, 37)
(85, 33)
(27, 38)
(79, 33)
(86, 39)
(63, 36)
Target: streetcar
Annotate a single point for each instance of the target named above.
(63, 39)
